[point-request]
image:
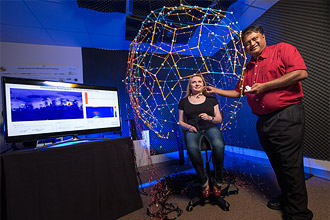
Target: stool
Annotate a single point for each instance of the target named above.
(200, 200)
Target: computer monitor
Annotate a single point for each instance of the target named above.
(39, 109)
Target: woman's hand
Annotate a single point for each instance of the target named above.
(192, 129)
(205, 117)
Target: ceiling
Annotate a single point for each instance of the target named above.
(107, 24)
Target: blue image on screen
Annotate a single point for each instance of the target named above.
(100, 112)
(36, 105)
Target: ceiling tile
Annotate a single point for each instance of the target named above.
(238, 9)
(75, 39)
(17, 13)
(4, 37)
(264, 4)
(62, 22)
(57, 16)
(249, 16)
(27, 35)
(109, 42)
(105, 23)
(72, 2)
(248, 2)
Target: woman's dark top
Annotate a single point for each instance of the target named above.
(191, 112)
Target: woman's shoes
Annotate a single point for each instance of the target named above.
(217, 190)
(206, 191)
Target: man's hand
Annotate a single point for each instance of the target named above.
(256, 88)
(281, 82)
(226, 93)
(210, 89)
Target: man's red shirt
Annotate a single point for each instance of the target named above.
(272, 63)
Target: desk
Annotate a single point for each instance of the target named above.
(85, 181)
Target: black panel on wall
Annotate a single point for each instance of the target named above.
(103, 5)
(108, 68)
(305, 24)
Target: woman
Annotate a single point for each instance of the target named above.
(199, 114)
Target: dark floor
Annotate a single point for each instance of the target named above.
(254, 179)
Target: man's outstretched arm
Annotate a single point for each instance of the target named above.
(226, 93)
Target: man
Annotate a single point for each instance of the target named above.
(273, 90)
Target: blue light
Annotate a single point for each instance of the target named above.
(144, 185)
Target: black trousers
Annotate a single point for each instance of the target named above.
(281, 134)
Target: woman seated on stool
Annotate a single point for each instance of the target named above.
(199, 114)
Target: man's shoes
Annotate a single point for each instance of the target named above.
(276, 204)
(294, 218)
(306, 216)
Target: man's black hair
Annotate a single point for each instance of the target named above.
(252, 28)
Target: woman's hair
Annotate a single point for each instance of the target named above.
(189, 92)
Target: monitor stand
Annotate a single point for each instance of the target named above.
(73, 139)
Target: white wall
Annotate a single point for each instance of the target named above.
(45, 62)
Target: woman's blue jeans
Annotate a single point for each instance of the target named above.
(193, 141)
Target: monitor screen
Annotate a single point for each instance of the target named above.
(38, 109)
